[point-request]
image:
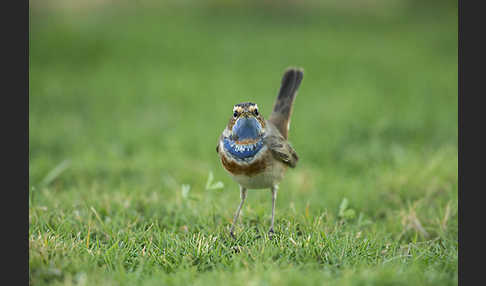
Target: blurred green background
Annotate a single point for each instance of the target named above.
(128, 98)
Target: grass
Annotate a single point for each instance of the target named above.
(125, 109)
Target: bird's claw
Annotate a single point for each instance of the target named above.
(270, 233)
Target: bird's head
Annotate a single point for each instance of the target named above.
(245, 130)
(246, 123)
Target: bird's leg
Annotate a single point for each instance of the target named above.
(274, 198)
(237, 214)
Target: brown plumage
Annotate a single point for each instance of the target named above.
(256, 167)
(255, 151)
(282, 109)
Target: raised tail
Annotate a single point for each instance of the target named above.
(282, 109)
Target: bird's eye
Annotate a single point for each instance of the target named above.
(255, 112)
(235, 114)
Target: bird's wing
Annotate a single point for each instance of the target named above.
(281, 149)
(217, 144)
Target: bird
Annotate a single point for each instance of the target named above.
(256, 152)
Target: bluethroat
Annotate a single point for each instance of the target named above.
(254, 151)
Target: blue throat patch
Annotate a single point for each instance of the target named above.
(242, 151)
(246, 128)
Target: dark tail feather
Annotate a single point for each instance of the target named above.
(282, 109)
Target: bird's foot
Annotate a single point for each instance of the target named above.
(271, 233)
